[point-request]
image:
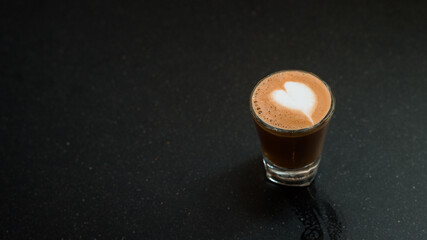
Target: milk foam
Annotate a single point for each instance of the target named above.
(296, 96)
(291, 100)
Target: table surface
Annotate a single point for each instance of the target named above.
(130, 120)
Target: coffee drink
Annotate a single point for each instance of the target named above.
(291, 110)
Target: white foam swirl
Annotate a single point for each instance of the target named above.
(296, 96)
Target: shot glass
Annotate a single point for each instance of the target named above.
(292, 157)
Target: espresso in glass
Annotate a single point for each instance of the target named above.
(292, 110)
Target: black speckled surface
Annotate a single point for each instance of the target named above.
(130, 120)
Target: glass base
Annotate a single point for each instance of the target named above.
(299, 177)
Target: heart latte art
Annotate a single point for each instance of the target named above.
(291, 100)
(296, 96)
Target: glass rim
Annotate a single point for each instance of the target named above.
(301, 130)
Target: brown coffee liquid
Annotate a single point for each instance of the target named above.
(285, 147)
(292, 152)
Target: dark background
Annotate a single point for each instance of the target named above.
(130, 120)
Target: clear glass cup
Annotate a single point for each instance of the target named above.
(292, 157)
